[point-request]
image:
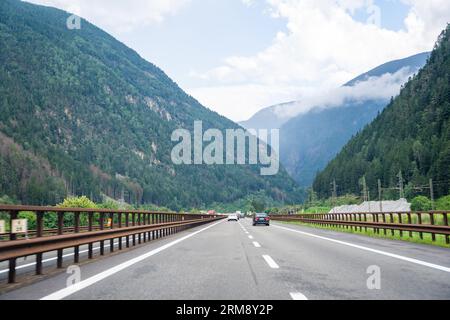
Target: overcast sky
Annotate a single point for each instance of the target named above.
(239, 56)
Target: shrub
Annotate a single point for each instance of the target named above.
(421, 203)
(443, 203)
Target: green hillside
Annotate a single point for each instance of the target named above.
(411, 135)
(83, 114)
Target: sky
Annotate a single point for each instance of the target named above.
(239, 56)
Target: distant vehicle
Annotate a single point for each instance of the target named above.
(233, 217)
(261, 218)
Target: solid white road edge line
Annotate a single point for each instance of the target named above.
(63, 293)
(392, 255)
(298, 296)
(271, 262)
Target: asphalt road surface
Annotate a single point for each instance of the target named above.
(236, 261)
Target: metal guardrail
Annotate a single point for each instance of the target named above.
(433, 222)
(133, 226)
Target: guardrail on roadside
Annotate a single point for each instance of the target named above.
(87, 227)
(433, 222)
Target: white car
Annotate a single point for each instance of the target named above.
(233, 217)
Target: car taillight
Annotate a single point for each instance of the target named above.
(267, 219)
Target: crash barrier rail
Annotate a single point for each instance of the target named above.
(432, 222)
(87, 226)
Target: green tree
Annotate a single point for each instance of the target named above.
(421, 203)
(443, 203)
(78, 202)
(258, 205)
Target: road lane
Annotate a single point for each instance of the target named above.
(238, 261)
(326, 270)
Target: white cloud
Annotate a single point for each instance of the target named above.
(323, 48)
(118, 16)
(375, 88)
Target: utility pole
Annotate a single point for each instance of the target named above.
(400, 183)
(334, 195)
(380, 195)
(432, 194)
(364, 189)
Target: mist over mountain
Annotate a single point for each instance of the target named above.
(82, 114)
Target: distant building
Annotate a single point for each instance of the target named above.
(401, 205)
(211, 212)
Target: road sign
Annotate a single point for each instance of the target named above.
(19, 226)
(2, 226)
(108, 223)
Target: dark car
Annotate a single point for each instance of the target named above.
(261, 218)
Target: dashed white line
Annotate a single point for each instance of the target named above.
(250, 237)
(256, 244)
(271, 262)
(298, 296)
(395, 256)
(63, 293)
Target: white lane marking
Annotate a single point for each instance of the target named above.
(54, 258)
(384, 253)
(63, 293)
(256, 244)
(271, 262)
(298, 296)
(250, 237)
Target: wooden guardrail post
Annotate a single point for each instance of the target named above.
(447, 237)
(76, 249)
(12, 236)
(102, 226)
(433, 235)
(39, 232)
(59, 254)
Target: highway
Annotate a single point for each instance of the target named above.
(236, 261)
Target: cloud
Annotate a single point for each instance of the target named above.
(374, 88)
(119, 16)
(324, 46)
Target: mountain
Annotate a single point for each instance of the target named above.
(82, 114)
(268, 118)
(414, 63)
(310, 140)
(411, 136)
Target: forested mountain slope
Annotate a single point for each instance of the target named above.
(82, 114)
